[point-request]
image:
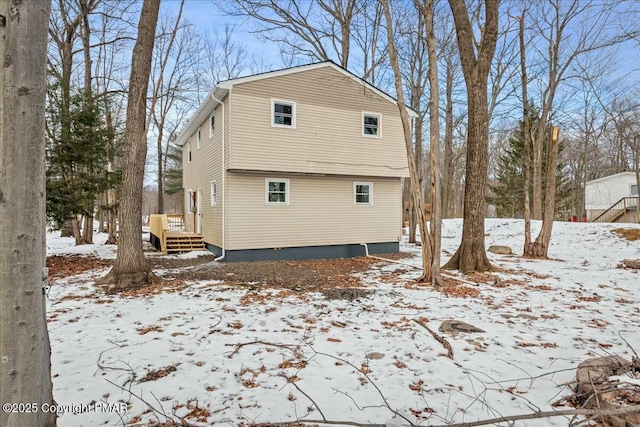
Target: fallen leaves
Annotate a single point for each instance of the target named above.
(70, 265)
(160, 373)
(152, 328)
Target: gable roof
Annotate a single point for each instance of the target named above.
(223, 87)
(610, 177)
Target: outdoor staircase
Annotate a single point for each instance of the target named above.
(624, 210)
(167, 234)
(184, 242)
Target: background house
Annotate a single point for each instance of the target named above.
(617, 194)
(304, 162)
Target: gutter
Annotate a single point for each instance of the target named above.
(224, 188)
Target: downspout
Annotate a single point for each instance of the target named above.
(224, 193)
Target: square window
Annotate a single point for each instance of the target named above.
(370, 124)
(363, 193)
(283, 113)
(214, 193)
(212, 125)
(277, 191)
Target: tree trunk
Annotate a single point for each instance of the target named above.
(25, 371)
(77, 231)
(471, 254)
(160, 173)
(87, 233)
(416, 189)
(434, 151)
(447, 188)
(131, 268)
(526, 167)
(540, 247)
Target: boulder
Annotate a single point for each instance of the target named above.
(456, 326)
(498, 249)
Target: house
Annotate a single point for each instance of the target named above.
(304, 162)
(612, 198)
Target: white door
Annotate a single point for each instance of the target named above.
(199, 212)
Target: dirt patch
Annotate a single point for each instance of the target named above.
(70, 265)
(298, 276)
(631, 234)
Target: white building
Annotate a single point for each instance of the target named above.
(617, 194)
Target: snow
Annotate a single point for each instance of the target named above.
(257, 356)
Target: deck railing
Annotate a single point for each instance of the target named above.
(625, 206)
(160, 224)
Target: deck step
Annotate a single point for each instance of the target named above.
(186, 243)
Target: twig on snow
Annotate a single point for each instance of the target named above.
(438, 338)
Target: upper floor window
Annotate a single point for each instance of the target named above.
(212, 125)
(363, 193)
(199, 138)
(277, 191)
(634, 189)
(189, 150)
(283, 113)
(371, 124)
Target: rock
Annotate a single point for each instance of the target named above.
(596, 370)
(502, 250)
(375, 355)
(631, 263)
(455, 326)
(591, 376)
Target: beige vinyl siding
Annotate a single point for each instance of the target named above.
(328, 135)
(321, 211)
(205, 167)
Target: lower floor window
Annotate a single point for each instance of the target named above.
(277, 191)
(363, 193)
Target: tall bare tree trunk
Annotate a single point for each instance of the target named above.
(447, 187)
(526, 167)
(25, 370)
(416, 189)
(540, 247)
(471, 254)
(131, 268)
(434, 141)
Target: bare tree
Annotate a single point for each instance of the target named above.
(427, 10)
(131, 268)
(25, 371)
(540, 247)
(427, 251)
(163, 93)
(476, 66)
(526, 167)
(559, 52)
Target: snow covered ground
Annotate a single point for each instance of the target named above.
(236, 356)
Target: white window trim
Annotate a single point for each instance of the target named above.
(293, 113)
(189, 153)
(212, 131)
(286, 188)
(199, 138)
(214, 194)
(379, 116)
(355, 202)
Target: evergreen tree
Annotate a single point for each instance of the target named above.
(76, 162)
(173, 169)
(507, 192)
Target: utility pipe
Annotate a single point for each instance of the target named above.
(224, 174)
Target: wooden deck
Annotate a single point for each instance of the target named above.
(167, 234)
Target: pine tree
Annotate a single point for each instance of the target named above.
(507, 192)
(76, 164)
